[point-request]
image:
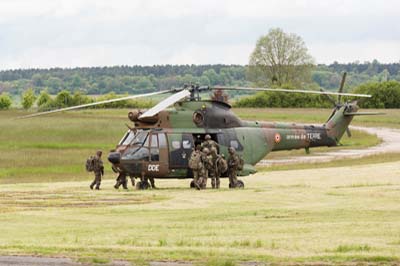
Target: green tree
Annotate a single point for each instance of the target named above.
(44, 98)
(5, 101)
(280, 58)
(28, 98)
(63, 99)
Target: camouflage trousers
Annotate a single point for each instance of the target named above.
(232, 177)
(121, 180)
(97, 180)
(203, 178)
(214, 178)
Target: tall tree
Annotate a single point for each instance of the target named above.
(280, 58)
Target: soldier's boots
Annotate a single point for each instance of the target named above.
(125, 185)
(213, 183)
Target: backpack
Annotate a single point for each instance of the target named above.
(241, 163)
(90, 164)
(194, 160)
(221, 165)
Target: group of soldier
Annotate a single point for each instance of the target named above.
(205, 162)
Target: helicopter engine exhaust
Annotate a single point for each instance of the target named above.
(134, 116)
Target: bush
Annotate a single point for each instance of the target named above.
(384, 94)
(5, 101)
(43, 99)
(28, 98)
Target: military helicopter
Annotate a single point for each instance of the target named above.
(160, 142)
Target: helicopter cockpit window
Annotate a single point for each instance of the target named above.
(234, 144)
(128, 137)
(154, 140)
(135, 153)
(162, 140)
(154, 151)
(141, 137)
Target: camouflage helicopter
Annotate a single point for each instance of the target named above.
(160, 142)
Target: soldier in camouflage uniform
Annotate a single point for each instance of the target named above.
(209, 143)
(207, 165)
(212, 173)
(233, 163)
(196, 165)
(219, 167)
(121, 180)
(98, 170)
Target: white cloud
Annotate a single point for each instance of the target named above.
(47, 33)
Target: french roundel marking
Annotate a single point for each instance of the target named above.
(277, 137)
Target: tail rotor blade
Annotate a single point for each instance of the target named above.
(341, 87)
(348, 132)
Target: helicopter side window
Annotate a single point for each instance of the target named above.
(154, 151)
(234, 144)
(186, 144)
(176, 144)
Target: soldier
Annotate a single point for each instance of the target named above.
(98, 170)
(220, 167)
(209, 143)
(233, 164)
(152, 183)
(212, 173)
(207, 165)
(196, 165)
(121, 180)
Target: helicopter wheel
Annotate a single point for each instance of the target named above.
(142, 185)
(240, 184)
(192, 185)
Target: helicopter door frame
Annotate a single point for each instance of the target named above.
(180, 148)
(158, 148)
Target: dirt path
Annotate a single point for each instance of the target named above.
(390, 144)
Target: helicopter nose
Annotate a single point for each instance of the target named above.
(114, 157)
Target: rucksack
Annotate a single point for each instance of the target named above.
(90, 164)
(241, 163)
(194, 160)
(221, 165)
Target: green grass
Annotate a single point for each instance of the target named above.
(330, 214)
(342, 215)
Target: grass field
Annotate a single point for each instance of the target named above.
(335, 215)
(345, 215)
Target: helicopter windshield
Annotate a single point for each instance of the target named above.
(131, 138)
(138, 149)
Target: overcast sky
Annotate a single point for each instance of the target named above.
(69, 33)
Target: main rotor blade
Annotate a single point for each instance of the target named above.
(93, 104)
(292, 91)
(342, 86)
(328, 97)
(165, 103)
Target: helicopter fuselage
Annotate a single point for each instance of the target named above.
(160, 146)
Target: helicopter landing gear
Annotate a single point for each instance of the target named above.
(239, 184)
(142, 185)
